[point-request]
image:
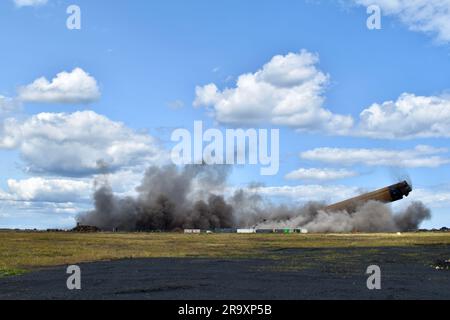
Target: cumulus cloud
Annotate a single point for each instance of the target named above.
(286, 91)
(420, 157)
(289, 91)
(320, 174)
(30, 3)
(307, 193)
(427, 16)
(76, 86)
(77, 144)
(70, 190)
(42, 215)
(436, 197)
(47, 190)
(432, 197)
(43, 203)
(409, 117)
(8, 105)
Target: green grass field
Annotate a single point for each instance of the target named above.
(22, 251)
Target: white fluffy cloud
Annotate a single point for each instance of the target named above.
(434, 198)
(306, 193)
(77, 144)
(427, 16)
(320, 174)
(409, 117)
(70, 190)
(76, 86)
(47, 190)
(30, 215)
(287, 91)
(8, 105)
(30, 3)
(419, 157)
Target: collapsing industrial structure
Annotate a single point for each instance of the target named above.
(157, 212)
(386, 195)
(389, 194)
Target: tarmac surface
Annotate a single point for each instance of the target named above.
(290, 274)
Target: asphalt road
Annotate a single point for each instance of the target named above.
(286, 274)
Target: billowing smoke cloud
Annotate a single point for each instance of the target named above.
(170, 198)
(413, 216)
(373, 216)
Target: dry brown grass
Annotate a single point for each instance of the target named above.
(20, 251)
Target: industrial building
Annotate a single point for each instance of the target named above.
(249, 231)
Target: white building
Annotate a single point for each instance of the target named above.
(246, 231)
(192, 231)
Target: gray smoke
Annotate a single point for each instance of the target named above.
(373, 216)
(170, 198)
(413, 216)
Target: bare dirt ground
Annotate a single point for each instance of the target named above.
(278, 273)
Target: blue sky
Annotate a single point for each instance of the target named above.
(147, 56)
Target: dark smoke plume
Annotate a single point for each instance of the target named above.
(168, 199)
(193, 197)
(413, 216)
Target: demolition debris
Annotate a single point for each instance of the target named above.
(195, 198)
